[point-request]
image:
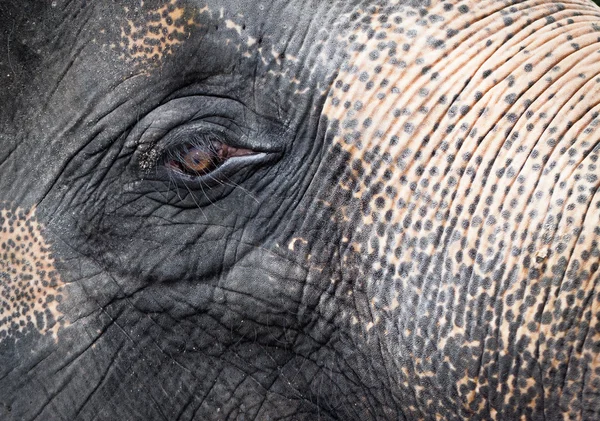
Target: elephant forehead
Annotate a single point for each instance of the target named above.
(30, 287)
(467, 134)
(151, 35)
(279, 45)
(145, 34)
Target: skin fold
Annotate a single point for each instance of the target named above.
(343, 210)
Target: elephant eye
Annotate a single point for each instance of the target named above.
(201, 155)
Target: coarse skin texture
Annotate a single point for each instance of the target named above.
(415, 235)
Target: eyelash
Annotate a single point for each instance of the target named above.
(199, 151)
(201, 154)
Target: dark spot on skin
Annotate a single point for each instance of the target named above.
(451, 32)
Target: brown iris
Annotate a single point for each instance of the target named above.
(198, 161)
(201, 159)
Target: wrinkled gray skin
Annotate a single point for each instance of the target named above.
(342, 210)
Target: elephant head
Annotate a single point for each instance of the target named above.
(354, 210)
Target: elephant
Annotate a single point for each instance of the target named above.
(301, 210)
